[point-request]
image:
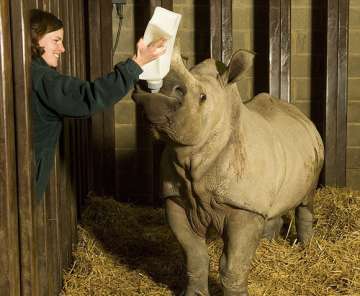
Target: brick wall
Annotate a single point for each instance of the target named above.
(134, 147)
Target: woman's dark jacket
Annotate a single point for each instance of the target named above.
(55, 96)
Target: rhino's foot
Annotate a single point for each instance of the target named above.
(272, 228)
(197, 285)
(304, 224)
(234, 285)
(236, 293)
(194, 292)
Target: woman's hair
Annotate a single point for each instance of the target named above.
(42, 22)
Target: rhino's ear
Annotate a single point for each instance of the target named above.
(240, 62)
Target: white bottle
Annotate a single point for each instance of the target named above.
(164, 23)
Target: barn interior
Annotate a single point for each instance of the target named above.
(101, 230)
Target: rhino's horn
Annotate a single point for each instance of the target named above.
(178, 65)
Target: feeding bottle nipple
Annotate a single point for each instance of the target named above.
(154, 85)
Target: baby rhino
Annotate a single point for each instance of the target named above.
(234, 166)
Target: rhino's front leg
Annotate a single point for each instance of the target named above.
(195, 249)
(241, 237)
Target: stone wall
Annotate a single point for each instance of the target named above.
(134, 147)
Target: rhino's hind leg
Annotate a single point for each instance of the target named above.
(242, 233)
(304, 219)
(195, 249)
(273, 227)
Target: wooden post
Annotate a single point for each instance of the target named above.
(9, 231)
(335, 132)
(280, 48)
(221, 30)
(103, 127)
(27, 220)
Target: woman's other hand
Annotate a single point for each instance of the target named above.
(147, 53)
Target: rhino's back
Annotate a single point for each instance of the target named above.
(287, 121)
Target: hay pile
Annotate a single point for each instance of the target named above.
(129, 250)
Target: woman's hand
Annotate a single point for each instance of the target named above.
(147, 53)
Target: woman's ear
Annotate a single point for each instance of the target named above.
(240, 62)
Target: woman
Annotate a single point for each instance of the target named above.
(55, 96)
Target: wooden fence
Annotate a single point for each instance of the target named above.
(37, 237)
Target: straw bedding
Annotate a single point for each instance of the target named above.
(129, 250)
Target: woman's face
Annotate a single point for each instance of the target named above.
(53, 45)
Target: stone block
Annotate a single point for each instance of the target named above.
(354, 69)
(242, 18)
(243, 3)
(302, 3)
(353, 158)
(301, 18)
(301, 66)
(126, 43)
(354, 88)
(353, 135)
(125, 136)
(307, 89)
(125, 112)
(354, 4)
(354, 18)
(353, 111)
(353, 179)
(240, 40)
(354, 42)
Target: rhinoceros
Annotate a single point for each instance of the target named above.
(230, 165)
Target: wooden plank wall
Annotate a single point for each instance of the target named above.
(55, 217)
(102, 124)
(37, 236)
(221, 30)
(335, 106)
(9, 251)
(335, 132)
(27, 205)
(280, 49)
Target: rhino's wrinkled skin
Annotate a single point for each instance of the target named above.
(231, 165)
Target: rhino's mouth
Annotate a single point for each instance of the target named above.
(159, 107)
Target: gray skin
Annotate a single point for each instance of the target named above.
(229, 165)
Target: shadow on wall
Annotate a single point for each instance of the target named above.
(318, 62)
(318, 67)
(261, 46)
(202, 30)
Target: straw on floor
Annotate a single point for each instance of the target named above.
(129, 250)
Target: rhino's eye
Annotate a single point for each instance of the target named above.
(179, 91)
(202, 97)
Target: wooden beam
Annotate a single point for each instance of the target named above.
(108, 172)
(103, 127)
(280, 49)
(26, 198)
(168, 4)
(9, 230)
(335, 133)
(221, 30)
